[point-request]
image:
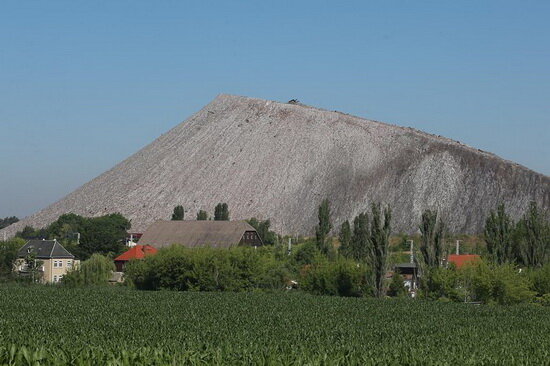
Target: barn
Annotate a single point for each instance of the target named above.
(192, 234)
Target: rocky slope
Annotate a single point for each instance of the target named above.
(276, 160)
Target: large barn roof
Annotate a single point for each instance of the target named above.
(192, 234)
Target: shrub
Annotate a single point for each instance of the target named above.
(340, 278)
(95, 271)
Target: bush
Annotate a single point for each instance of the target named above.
(208, 269)
(541, 280)
(397, 286)
(340, 278)
(95, 271)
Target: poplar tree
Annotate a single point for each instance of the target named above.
(178, 213)
(221, 212)
(322, 230)
(345, 239)
(534, 237)
(431, 243)
(499, 230)
(359, 245)
(380, 231)
(202, 215)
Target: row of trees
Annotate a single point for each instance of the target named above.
(366, 240)
(84, 236)
(7, 221)
(221, 213)
(525, 242)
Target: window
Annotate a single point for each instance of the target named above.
(54, 264)
(69, 263)
(60, 264)
(54, 278)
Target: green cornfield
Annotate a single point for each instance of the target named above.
(48, 325)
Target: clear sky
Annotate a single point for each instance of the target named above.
(85, 84)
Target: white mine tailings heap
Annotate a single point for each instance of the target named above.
(279, 161)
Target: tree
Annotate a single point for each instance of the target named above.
(379, 243)
(499, 230)
(29, 233)
(178, 213)
(8, 255)
(345, 239)
(262, 227)
(221, 212)
(323, 228)
(397, 286)
(97, 270)
(104, 235)
(431, 244)
(7, 221)
(202, 215)
(534, 237)
(359, 245)
(33, 267)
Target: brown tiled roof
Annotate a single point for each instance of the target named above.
(192, 234)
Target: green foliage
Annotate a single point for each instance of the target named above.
(8, 255)
(103, 234)
(488, 283)
(431, 245)
(118, 326)
(437, 283)
(378, 244)
(323, 228)
(345, 239)
(262, 227)
(203, 269)
(221, 212)
(499, 229)
(202, 215)
(307, 253)
(397, 286)
(7, 221)
(533, 236)
(29, 233)
(178, 213)
(93, 272)
(359, 248)
(34, 273)
(540, 278)
(342, 277)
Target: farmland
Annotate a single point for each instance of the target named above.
(56, 325)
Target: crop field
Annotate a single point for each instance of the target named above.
(118, 326)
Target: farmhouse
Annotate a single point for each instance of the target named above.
(191, 234)
(136, 252)
(55, 260)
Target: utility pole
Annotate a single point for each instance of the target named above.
(411, 246)
(457, 247)
(289, 245)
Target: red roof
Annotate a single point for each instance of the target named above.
(137, 252)
(461, 259)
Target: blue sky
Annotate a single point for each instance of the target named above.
(83, 85)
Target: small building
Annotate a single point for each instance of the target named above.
(55, 260)
(459, 260)
(136, 252)
(191, 234)
(409, 271)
